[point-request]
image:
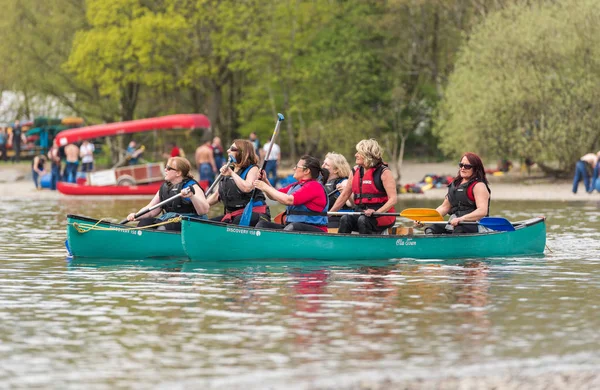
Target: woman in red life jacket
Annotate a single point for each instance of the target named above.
(306, 199)
(235, 189)
(374, 191)
(468, 198)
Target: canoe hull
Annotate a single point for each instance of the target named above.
(221, 243)
(79, 189)
(89, 238)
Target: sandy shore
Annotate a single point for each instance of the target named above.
(15, 181)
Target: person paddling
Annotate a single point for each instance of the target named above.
(235, 189)
(177, 179)
(374, 191)
(468, 198)
(306, 199)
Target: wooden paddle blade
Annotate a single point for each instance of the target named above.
(497, 223)
(422, 215)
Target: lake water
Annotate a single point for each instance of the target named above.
(270, 325)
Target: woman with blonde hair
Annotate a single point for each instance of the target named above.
(235, 189)
(177, 180)
(339, 171)
(374, 191)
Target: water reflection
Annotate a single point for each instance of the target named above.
(145, 324)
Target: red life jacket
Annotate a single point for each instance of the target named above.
(369, 192)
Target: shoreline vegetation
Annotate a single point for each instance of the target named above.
(15, 180)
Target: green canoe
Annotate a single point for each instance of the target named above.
(212, 241)
(92, 238)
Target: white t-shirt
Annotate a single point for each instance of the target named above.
(87, 153)
(275, 152)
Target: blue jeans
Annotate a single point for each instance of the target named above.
(581, 173)
(55, 171)
(36, 178)
(71, 172)
(271, 171)
(206, 173)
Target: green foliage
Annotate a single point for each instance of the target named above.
(525, 85)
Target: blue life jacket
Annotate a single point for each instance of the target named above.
(303, 214)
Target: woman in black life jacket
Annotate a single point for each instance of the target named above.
(177, 180)
(374, 191)
(468, 198)
(339, 171)
(235, 190)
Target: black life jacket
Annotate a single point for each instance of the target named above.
(178, 205)
(462, 199)
(332, 193)
(233, 198)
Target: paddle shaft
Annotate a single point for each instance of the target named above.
(217, 180)
(340, 213)
(262, 166)
(136, 216)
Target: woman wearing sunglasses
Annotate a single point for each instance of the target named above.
(306, 199)
(468, 198)
(235, 189)
(177, 180)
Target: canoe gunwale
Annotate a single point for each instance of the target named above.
(117, 225)
(518, 226)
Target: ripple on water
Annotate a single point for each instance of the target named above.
(133, 325)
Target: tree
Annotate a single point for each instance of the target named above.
(525, 85)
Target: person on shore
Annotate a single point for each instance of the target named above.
(584, 170)
(72, 158)
(54, 158)
(16, 138)
(256, 142)
(3, 142)
(177, 180)
(205, 160)
(133, 153)
(38, 170)
(339, 171)
(235, 189)
(218, 152)
(306, 200)
(468, 198)
(176, 151)
(374, 191)
(86, 152)
(271, 161)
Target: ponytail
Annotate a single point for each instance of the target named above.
(324, 175)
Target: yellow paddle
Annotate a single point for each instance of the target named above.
(422, 215)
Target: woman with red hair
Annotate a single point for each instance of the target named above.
(468, 198)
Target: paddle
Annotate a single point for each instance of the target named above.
(218, 179)
(156, 206)
(495, 223)
(247, 214)
(414, 214)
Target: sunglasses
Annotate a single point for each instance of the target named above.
(466, 166)
(168, 168)
(233, 149)
(300, 166)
